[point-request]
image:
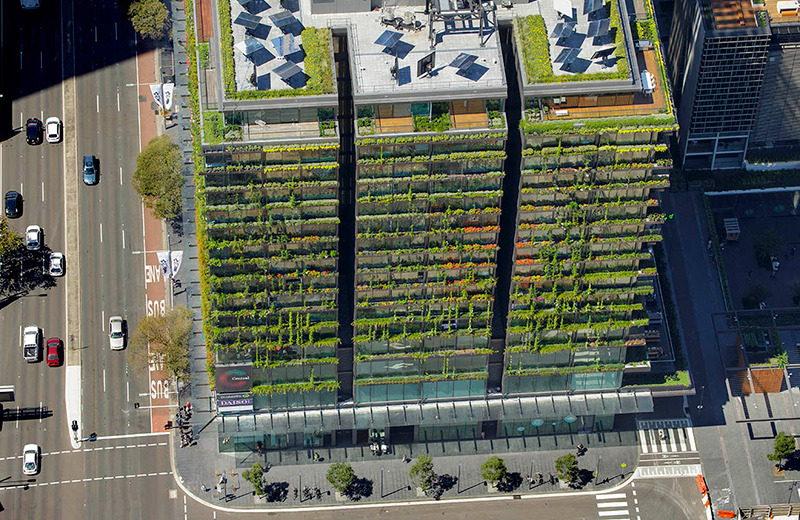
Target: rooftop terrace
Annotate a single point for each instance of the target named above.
(372, 59)
(732, 14)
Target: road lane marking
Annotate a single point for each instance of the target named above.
(120, 168)
(20, 59)
(132, 435)
(118, 105)
(643, 441)
(613, 513)
(104, 382)
(98, 103)
(41, 60)
(42, 191)
(95, 34)
(613, 504)
(127, 383)
(101, 232)
(123, 247)
(115, 31)
(690, 436)
(611, 496)
(103, 319)
(41, 407)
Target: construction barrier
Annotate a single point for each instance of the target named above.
(726, 514)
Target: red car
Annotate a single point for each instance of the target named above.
(53, 352)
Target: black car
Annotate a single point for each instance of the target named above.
(33, 131)
(13, 204)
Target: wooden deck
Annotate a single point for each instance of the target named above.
(731, 14)
(389, 122)
(468, 114)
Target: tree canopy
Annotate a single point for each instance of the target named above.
(340, 476)
(783, 448)
(421, 472)
(150, 18)
(164, 340)
(494, 469)
(567, 468)
(157, 178)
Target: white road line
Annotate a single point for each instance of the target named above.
(690, 436)
(120, 168)
(21, 117)
(101, 232)
(76, 480)
(643, 441)
(673, 444)
(22, 189)
(613, 513)
(682, 439)
(132, 435)
(41, 407)
(98, 478)
(42, 191)
(104, 380)
(611, 496)
(123, 247)
(41, 60)
(17, 422)
(20, 60)
(127, 383)
(98, 103)
(95, 34)
(613, 504)
(142, 475)
(115, 31)
(118, 104)
(652, 437)
(103, 314)
(20, 336)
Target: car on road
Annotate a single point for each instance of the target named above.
(53, 129)
(33, 131)
(31, 340)
(30, 459)
(13, 204)
(33, 238)
(116, 332)
(89, 170)
(54, 352)
(55, 266)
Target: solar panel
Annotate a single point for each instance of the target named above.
(563, 6)
(590, 6)
(463, 61)
(567, 56)
(247, 20)
(244, 2)
(263, 82)
(603, 53)
(284, 44)
(282, 19)
(563, 30)
(598, 28)
(389, 38)
(287, 70)
(249, 46)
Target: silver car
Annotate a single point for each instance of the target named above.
(30, 459)
(116, 332)
(33, 238)
(56, 264)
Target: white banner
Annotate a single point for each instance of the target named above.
(169, 90)
(177, 258)
(158, 93)
(163, 261)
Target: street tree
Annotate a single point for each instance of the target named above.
(20, 269)
(150, 18)
(157, 178)
(493, 470)
(163, 340)
(783, 448)
(341, 476)
(421, 472)
(567, 468)
(255, 476)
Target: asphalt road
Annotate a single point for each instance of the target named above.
(670, 499)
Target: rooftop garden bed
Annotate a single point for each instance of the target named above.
(664, 122)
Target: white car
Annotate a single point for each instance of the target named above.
(116, 333)
(56, 267)
(52, 129)
(33, 238)
(30, 459)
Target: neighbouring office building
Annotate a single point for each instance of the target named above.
(399, 247)
(732, 65)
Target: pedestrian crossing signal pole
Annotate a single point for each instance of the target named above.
(597, 472)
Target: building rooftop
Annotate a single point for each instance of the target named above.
(732, 14)
(481, 67)
(781, 11)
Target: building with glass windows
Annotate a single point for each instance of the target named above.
(431, 223)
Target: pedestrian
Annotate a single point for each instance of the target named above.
(203, 488)
(483, 435)
(749, 274)
(793, 250)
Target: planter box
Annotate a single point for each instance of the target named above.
(642, 367)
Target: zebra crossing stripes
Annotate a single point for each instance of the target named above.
(613, 506)
(678, 436)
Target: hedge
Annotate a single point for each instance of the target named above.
(598, 125)
(532, 34)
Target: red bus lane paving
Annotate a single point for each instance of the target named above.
(157, 300)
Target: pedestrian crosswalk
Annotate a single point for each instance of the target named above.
(617, 506)
(666, 436)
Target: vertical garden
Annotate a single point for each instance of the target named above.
(588, 212)
(428, 210)
(271, 224)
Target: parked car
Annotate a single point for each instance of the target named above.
(54, 265)
(13, 204)
(30, 459)
(33, 131)
(54, 352)
(33, 238)
(53, 129)
(89, 170)
(31, 343)
(116, 332)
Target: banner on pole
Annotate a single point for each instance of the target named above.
(169, 90)
(177, 258)
(158, 93)
(163, 261)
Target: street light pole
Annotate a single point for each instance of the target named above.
(702, 393)
(530, 475)
(458, 480)
(791, 489)
(381, 481)
(300, 484)
(597, 473)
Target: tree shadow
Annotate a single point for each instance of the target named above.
(510, 482)
(23, 271)
(177, 226)
(440, 485)
(360, 488)
(584, 477)
(792, 462)
(276, 491)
